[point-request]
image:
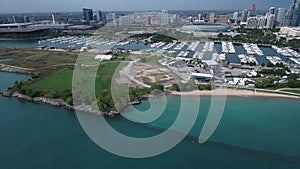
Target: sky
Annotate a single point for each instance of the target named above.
(23, 6)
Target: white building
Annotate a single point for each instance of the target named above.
(256, 22)
(271, 21)
(290, 31)
(104, 57)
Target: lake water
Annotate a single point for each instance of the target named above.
(253, 133)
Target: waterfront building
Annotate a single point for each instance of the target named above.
(256, 22)
(212, 17)
(87, 14)
(280, 16)
(290, 31)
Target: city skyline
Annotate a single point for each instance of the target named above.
(14, 6)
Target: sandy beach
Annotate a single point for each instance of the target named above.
(234, 93)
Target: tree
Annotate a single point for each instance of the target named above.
(157, 88)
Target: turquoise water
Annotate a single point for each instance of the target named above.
(253, 133)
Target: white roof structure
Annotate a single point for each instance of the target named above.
(104, 57)
(202, 75)
(210, 62)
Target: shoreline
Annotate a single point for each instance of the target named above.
(58, 103)
(234, 93)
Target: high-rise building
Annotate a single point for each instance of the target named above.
(111, 19)
(56, 18)
(212, 17)
(270, 20)
(280, 16)
(99, 16)
(252, 10)
(87, 14)
(272, 10)
(223, 19)
(292, 17)
(256, 22)
(296, 13)
(164, 18)
(235, 16)
(199, 17)
(244, 15)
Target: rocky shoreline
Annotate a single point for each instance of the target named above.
(59, 103)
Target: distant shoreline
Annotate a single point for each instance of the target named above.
(235, 93)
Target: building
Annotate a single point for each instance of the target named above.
(290, 31)
(280, 16)
(272, 10)
(292, 17)
(212, 17)
(235, 16)
(87, 14)
(104, 57)
(111, 19)
(223, 19)
(271, 18)
(252, 10)
(56, 18)
(205, 27)
(256, 22)
(296, 13)
(99, 16)
(164, 18)
(244, 15)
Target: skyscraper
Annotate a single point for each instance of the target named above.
(212, 17)
(272, 10)
(252, 10)
(244, 15)
(87, 14)
(292, 17)
(296, 13)
(99, 16)
(235, 16)
(164, 18)
(280, 16)
(270, 21)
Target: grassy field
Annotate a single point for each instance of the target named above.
(59, 81)
(62, 80)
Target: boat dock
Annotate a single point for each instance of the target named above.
(228, 47)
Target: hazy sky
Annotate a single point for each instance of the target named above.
(20, 6)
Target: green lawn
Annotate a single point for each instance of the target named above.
(58, 81)
(63, 80)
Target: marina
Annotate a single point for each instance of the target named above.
(252, 49)
(275, 60)
(245, 59)
(180, 46)
(286, 51)
(228, 47)
(193, 46)
(208, 47)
